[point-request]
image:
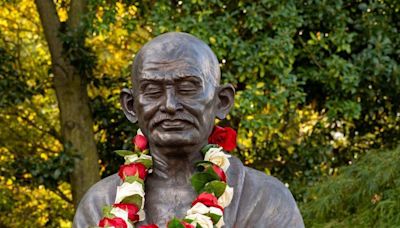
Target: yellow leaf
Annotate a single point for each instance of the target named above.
(212, 40)
(44, 156)
(62, 14)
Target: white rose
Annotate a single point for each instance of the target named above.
(202, 220)
(145, 156)
(130, 158)
(120, 213)
(225, 199)
(216, 210)
(133, 158)
(218, 157)
(142, 215)
(129, 189)
(198, 208)
(220, 222)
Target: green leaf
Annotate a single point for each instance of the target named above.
(202, 165)
(207, 147)
(175, 223)
(56, 174)
(123, 153)
(131, 179)
(188, 220)
(211, 171)
(199, 180)
(107, 211)
(217, 187)
(146, 162)
(135, 199)
(214, 217)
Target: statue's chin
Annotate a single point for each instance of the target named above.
(175, 138)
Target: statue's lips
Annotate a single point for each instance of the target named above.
(173, 125)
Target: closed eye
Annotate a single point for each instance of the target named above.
(152, 90)
(188, 87)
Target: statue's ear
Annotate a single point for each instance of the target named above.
(226, 94)
(127, 103)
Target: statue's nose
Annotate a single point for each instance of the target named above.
(171, 103)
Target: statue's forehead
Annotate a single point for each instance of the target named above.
(170, 68)
(170, 65)
(175, 55)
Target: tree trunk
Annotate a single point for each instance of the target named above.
(73, 102)
(77, 130)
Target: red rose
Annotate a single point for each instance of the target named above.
(187, 225)
(132, 169)
(224, 137)
(113, 222)
(140, 141)
(132, 210)
(220, 172)
(207, 199)
(149, 226)
(174, 223)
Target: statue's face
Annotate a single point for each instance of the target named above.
(174, 101)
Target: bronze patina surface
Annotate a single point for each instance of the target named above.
(176, 97)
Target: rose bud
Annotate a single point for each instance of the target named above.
(219, 172)
(113, 222)
(133, 169)
(140, 141)
(207, 199)
(187, 225)
(132, 210)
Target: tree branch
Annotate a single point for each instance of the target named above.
(58, 192)
(51, 131)
(76, 12)
(51, 27)
(311, 55)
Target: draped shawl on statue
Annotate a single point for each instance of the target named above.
(258, 201)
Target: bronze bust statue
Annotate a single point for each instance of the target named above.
(176, 97)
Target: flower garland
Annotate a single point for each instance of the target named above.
(209, 181)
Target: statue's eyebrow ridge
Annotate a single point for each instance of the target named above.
(170, 77)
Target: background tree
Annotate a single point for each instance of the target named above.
(71, 68)
(34, 168)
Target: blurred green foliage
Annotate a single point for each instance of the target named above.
(317, 81)
(364, 194)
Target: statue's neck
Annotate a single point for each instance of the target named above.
(175, 164)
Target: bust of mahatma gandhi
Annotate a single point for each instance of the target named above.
(175, 99)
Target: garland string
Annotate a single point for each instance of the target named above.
(209, 181)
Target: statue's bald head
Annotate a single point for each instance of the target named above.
(176, 94)
(177, 50)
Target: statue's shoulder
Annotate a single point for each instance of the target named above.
(264, 201)
(100, 194)
(265, 182)
(272, 189)
(104, 186)
(255, 178)
(103, 192)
